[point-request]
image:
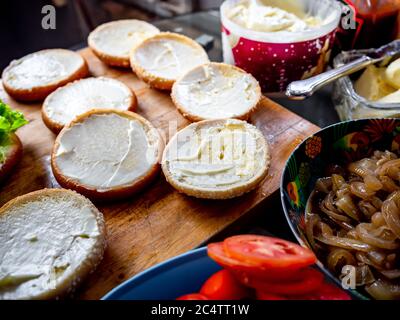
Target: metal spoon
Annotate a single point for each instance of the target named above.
(299, 90)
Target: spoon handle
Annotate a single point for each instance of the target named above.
(302, 89)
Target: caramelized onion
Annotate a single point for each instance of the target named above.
(376, 202)
(366, 233)
(391, 213)
(345, 243)
(367, 208)
(383, 290)
(388, 167)
(388, 184)
(337, 182)
(377, 219)
(377, 257)
(364, 275)
(324, 185)
(372, 182)
(327, 206)
(357, 222)
(391, 274)
(338, 258)
(346, 204)
(360, 190)
(312, 222)
(363, 167)
(364, 259)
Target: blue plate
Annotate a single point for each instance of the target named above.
(168, 280)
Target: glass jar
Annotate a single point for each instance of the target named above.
(349, 104)
(376, 23)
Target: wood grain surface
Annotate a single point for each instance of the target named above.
(159, 223)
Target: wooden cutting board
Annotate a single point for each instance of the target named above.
(159, 223)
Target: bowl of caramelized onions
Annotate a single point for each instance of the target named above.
(341, 194)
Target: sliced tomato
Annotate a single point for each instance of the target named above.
(223, 286)
(193, 296)
(309, 281)
(240, 268)
(271, 253)
(269, 296)
(326, 292)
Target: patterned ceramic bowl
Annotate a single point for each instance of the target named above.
(338, 144)
(278, 58)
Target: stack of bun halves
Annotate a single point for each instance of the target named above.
(105, 151)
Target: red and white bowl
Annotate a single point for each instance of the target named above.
(278, 58)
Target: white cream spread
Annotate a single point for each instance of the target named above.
(217, 91)
(392, 74)
(257, 16)
(217, 155)
(63, 105)
(117, 38)
(107, 151)
(43, 244)
(168, 57)
(42, 68)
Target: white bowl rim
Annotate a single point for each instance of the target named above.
(284, 36)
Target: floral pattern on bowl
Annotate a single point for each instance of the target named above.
(338, 144)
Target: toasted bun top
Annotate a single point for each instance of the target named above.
(42, 68)
(117, 38)
(216, 91)
(216, 155)
(64, 104)
(49, 239)
(109, 149)
(167, 56)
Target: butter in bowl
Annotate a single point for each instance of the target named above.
(279, 41)
(375, 92)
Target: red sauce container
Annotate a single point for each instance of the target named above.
(376, 24)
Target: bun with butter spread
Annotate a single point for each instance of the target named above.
(112, 41)
(107, 154)
(35, 76)
(216, 91)
(66, 103)
(57, 239)
(216, 159)
(165, 57)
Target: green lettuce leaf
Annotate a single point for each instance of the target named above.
(10, 121)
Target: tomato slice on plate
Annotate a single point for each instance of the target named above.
(240, 268)
(268, 252)
(326, 292)
(216, 252)
(223, 286)
(268, 296)
(193, 296)
(309, 281)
